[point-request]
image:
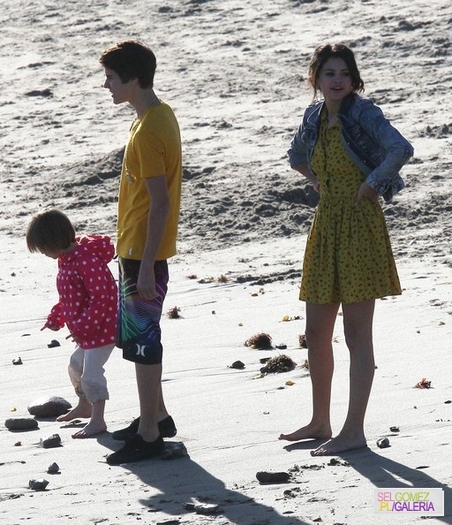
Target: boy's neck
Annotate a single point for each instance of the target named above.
(146, 100)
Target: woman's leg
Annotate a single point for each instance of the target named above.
(320, 320)
(358, 322)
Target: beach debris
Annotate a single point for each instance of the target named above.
(239, 365)
(272, 477)
(18, 444)
(46, 92)
(38, 484)
(383, 443)
(52, 406)
(289, 383)
(305, 364)
(173, 313)
(292, 493)
(53, 469)
(17, 361)
(53, 344)
(281, 346)
(206, 509)
(302, 341)
(260, 341)
(448, 402)
(21, 423)
(334, 462)
(288, 318)
(173, 450)
(278, 364)
(394, 429)
(52, 441)
(21, 461)
(13, 409)
(423, 383)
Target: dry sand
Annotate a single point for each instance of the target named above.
(235, 74)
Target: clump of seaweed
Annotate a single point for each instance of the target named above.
(278, 364)
(173, 313)
(423, 383)
(261, 341)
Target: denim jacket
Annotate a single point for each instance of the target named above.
(373, 144)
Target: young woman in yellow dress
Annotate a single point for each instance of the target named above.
(352, 155)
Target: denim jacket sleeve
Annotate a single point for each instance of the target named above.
(376, 147)
(303, 142)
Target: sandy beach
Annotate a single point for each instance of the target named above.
(235, 73)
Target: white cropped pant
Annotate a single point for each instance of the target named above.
(87, 373)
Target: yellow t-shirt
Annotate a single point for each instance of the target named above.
(153, 149)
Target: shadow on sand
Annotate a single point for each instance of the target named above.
(182, 480)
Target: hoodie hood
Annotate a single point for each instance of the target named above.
(99, 246)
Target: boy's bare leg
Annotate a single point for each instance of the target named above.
(151, 398)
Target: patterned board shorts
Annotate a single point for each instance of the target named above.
(139, 333)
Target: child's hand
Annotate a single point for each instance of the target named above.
(50, 327)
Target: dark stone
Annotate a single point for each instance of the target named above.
(51, 442)
(53, 343)
(273, 477)
(38, 484)
(205, 509)
(17, 361)
(238, 365)
(383, 443)
(49, 407)
(174, 450)
(24, 423)
(53, 469)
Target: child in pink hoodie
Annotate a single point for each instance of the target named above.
(87, 306)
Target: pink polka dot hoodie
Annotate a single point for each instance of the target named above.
(87, 293)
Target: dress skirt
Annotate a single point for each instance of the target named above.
(348, 256)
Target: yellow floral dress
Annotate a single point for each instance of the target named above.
(348, 256)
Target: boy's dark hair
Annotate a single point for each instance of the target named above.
(326, 51)
(50, 230)
(131, 59)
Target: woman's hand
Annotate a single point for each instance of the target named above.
(366, 191)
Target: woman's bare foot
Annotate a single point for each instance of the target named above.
(75, 413)
(91, 429)
(339, 444)
(310, 431)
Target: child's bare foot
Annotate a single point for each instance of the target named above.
(91, 429)
(75, 413)
(310, 431)
(339, 444)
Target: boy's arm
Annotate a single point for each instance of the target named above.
(157, 218)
